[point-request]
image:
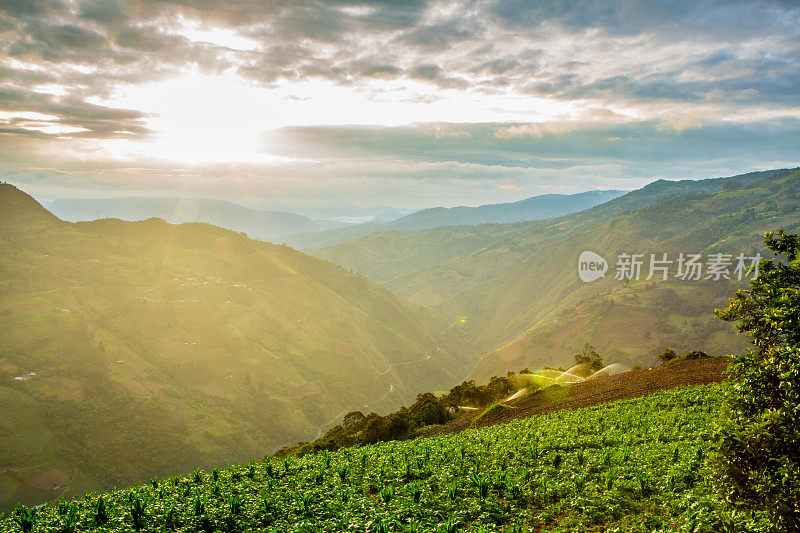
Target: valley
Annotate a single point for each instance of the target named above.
(143, 348)
(139, 350)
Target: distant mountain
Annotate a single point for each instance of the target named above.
(435, 264)
(539, 312)
(139, 349)
(514, 288)
(264, 225)
(534, 208)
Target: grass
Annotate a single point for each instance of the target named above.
(633, 465)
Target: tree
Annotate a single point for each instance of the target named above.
(667, 355)
(758, 449)
(427, 410)
(353, 419)
(589, 356)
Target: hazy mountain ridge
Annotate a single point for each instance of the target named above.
(549, 315)
(515, 286)
(258, 224)
(435, 265)
(533, 208)
(144, 348)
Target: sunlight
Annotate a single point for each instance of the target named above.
(199, 118)
(223, 37)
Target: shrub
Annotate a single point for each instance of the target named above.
(667, 355)
(758, 451)
(25, 517)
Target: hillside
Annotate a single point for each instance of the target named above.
(632, 465)
(533, 208)
(135, 349)
(435, 264)
(264, 225)
(594, 391)
(515, 290)
(534, 310)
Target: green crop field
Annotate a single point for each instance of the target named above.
(634, 465)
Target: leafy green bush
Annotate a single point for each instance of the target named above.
(25, 517)
(759, 443)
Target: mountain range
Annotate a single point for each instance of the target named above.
(514, 288)
(533, 208)
(263, 225)
(140, 349)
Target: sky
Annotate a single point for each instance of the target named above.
(395, 103)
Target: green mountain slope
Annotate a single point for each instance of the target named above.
(514, 288)
(435, 265)
(545, 313)
(133, 349)
(533, 208)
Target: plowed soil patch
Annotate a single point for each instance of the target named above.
(631, 384)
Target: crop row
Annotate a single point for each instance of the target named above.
(635, 465)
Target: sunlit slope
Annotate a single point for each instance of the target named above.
(434, 265)
(541, 313)
(157, 348)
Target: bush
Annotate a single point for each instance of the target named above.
(758, 451)
(667, 355)
(589, 356)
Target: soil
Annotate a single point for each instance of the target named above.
(48, 480)
(632, 384)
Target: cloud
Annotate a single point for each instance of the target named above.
(535, 130)
(684, 121)
(597, 90)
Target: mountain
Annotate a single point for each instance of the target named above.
(137, 349)
(433, 265)
(264, 225)
(534, 208)
(539, 311)
(514, 287)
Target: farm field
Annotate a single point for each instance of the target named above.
(630, 465)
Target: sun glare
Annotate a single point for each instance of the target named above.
(198, 118)
(223, 37)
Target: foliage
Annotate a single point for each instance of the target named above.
(759, 446)
(25, 517)
(589, 356)
(635, 465)
(357, 428)
(667, 355)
